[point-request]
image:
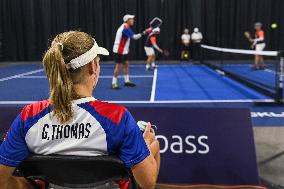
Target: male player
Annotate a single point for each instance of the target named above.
(121, 50)
(185, 40)
(258, 43)
(196, 38)
(150, 44)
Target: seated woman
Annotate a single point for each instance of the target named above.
(73, 122)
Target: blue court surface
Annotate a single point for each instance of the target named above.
(266, 78)
(169, 85)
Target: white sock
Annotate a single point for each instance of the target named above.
(126, 78)
(153, 64)
(147, 66)
(114, 80)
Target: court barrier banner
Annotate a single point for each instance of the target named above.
(198, 145)
(204, 145)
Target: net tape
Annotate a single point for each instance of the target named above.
(241, 51)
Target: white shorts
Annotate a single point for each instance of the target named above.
(149, 51)
(260, 47)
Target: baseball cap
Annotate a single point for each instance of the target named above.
(258, 24)
(127, 16)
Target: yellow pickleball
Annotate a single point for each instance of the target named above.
(274, 25)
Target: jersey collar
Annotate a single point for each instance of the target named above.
(83, 100)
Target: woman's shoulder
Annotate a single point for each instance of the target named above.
(34, 108)
(106, 105)
(112, 111)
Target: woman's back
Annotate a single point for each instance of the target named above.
(97, 128)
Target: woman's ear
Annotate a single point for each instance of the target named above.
(92, 67)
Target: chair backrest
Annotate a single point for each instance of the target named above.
(74, 171)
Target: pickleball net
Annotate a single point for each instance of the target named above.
(238, 64)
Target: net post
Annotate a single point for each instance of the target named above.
(280, 74)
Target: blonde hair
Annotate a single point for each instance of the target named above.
(65, 47)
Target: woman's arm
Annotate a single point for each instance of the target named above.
(137, 151)
(7, 181)
(13, 150)
(146, 172)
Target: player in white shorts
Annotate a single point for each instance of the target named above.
(150, 46)
(258, 43)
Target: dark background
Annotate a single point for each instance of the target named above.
(26, 26)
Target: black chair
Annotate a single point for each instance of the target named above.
(76, 171)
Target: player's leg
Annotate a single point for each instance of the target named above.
(182, 55)
(149, 61)
(151, 58)
(261, 62)
(126, 69)
(118, 60)
(256, 62)
(127, 81)
(198, 54)
(194, 51)
(115, 75)
(153, 64)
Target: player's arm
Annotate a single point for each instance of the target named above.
(13, 151)
(146, 172)
(147, 31)
(7, 181)
(153, 41)
(129, 33)
(137, 154)
(247, 35)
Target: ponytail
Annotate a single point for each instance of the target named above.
(60, 83)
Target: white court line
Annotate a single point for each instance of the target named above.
(158, 101)
(101, 77)
(270, 71)
(33, 77)
(154, 84)
(191, 101)
(20, 75)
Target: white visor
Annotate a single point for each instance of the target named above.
(87, 57)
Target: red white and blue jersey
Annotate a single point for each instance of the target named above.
(97, 128)
(151, 40)
(122, 39)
